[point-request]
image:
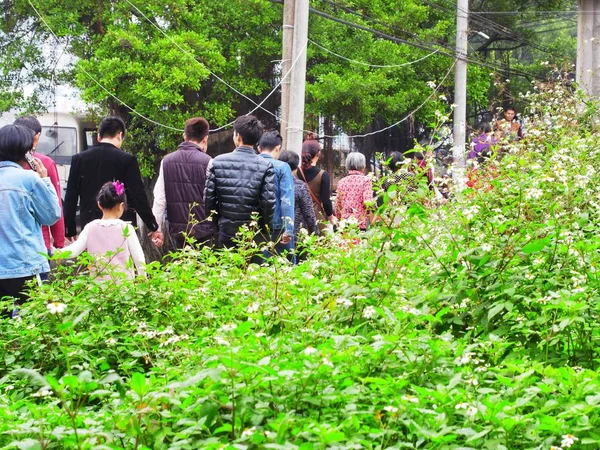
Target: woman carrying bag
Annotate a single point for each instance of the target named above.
(318, 183)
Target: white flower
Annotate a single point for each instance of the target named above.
(187, 308)
(221, 341)
(369, 312)
(431, 84)
(410, 398)
(227, 327)
(473, 381)
(248, 432)
(461, 406)
(391, 409)
(209, 315)
(568, 440)
(111, 341)
(253, 307)
(344, 302)
(554, 447)
(472, 411)
(309, 350)
(56, 307)
(270, 434)
(328, 363)
(42, 393)
(486, 247)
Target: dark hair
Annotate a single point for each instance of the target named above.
(249, 128)
(110, 127)
(29, 122)
(396, 159)
(310, 149)
(413, 154)
(15, 141)
(108, 197)
(269, 141)
(196, 129)
(485, 127)
(291, 158)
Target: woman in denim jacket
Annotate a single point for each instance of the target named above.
(28, 201)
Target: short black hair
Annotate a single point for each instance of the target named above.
(29, 122)
(15, 141)
(485, 127)
(269, 141)
(291, 158)
(249, 128)
(196, 129)
(396, 160)
(108, 197)
(110, 127)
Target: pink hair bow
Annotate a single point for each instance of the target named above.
(119, 187)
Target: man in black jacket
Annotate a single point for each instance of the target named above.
(240, 183)
(94, 167)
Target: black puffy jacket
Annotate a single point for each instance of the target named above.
(240, 184)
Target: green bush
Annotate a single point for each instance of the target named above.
(472, 325)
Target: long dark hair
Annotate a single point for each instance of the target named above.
(310, 149)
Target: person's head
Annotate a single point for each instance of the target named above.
(270, 142)
(247, 130)
(311, 150)
(356, 161)
(33, 124)
(396, 160)
(509, 113)
(112, 130)
(485, 127)
(15, 141)
(111, 198)
(291, 158)
(196, 131)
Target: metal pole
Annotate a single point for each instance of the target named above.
(287, 56)
(460, 92)
(588, 46)
(295, 125)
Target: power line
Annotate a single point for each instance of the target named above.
(389, 66)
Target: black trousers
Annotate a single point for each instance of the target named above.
(15, 288)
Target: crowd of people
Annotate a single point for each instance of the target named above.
(198, 200)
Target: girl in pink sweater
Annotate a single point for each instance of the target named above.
(110, 239)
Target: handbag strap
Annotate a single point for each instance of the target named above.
(312, 194)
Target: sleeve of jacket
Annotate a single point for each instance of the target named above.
(326, 194)
(58, 229)
(210, 193)
(287, 200)
(72, 197)
(136, 194)
(267, 196)
(44, 202)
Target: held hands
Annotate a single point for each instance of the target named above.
(286, 239)
(157, 238)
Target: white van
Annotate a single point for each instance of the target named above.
(64, 135)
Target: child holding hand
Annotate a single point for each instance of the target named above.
(111, 239)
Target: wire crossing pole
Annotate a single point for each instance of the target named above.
(460, 92)
(287, 56)
(292, 108)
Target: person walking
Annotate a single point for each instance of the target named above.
(54, 236)
(304, 213)
(105, 162)
(240, 184)
(508, 127)
(28, 201)
(282, 229)
(318, 182)
(110, 239)
(355, 192)
(179, 190)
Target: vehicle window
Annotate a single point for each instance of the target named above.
(59, 143)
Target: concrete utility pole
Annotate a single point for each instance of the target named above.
(588, 46)
(289, 9)
(293, 113)
(460, 91)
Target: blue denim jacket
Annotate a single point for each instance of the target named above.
(26, 203)
(283, 218)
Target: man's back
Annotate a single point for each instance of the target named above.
(240, 184)
(89, 171)
(184, 173)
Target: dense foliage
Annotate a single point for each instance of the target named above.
(473, 325)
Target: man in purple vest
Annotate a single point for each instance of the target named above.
(179, 190)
